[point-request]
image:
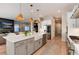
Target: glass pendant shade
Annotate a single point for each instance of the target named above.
(20, 17)
(36, 21)
(30, 20)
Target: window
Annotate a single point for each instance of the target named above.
(16, 28)
(27, 28)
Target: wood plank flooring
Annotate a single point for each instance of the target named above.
(53, 47)
(2, 49)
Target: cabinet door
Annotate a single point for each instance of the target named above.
(36, 46)
(40, 42)
(77, 23)
(30, 45)
(44, 39)
(20, 48)
(74, 24)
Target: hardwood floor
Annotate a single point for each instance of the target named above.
(2, 49)
(53, 47)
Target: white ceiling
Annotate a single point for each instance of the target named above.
(10, 10)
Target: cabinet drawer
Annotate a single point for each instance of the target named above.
(38, 44)
(21, 47)
(30, 49)
(21, 50)
(30, 46)
(20, 43)
(31, 40)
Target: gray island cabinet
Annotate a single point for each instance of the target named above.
(25, 47)
(20, 48)
(38, 44)
(22, 45)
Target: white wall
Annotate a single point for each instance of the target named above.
(52, 28)
(11, 10)
(49, 21)
(67, 25)
(64, 27)
(77, 23)
(46, 21)
(70, 22)
(58, 28)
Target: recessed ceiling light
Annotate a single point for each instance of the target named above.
(59, 11)
(31, 5)
(37, 9)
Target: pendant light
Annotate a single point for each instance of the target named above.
(31, 8)
(20, 16)
(30, 19)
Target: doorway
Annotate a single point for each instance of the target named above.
(49, 31)
(58, 27)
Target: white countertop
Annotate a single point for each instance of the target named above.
(74, 32)
(15, 38)
(38, 36)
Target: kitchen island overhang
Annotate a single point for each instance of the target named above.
(23, 45)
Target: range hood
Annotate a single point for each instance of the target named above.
(75, 12)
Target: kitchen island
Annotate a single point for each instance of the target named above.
(23, 45)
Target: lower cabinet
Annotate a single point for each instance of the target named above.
(21, 48)
(30, 46)
(38, 44)
(25, 47)
(44, 39)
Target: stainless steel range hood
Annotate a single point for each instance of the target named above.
(75, 12)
